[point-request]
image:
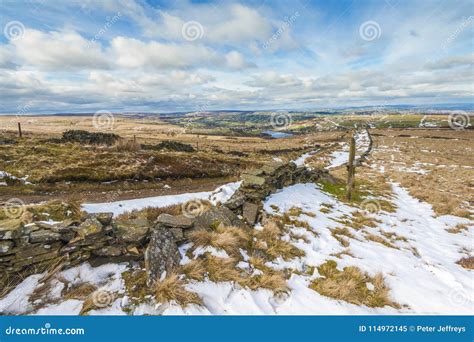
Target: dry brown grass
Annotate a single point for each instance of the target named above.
(379, 239)
(151, 213)
(195, 269)
(230, 239)
(92, 302)
(269, 239)
(222, 269)
(338, 232)
(467, 263)
(172, 289)
(436, 163)
(350, 285)
(80, 291)
(459, 228)
(125, 145)
(274, 281)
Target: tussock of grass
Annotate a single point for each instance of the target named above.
(150, 213)
(294, 211)
(347, 251)
(220, 269)
(467, 263)
(171, 289)
(338, 232)
(360, 219)
(195, 269)
(459, 228)
(280, 248)
(378, 239)
(350, 285)
(124, 145)
(271, 281)
(325, 210)
(230, 239)
(81, 291)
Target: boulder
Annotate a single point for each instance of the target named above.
(250, 212)
(179, 221)
(215, 216)
(162, 254)
(132, 230)
(90, 226)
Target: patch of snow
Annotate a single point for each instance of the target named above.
(302, 159)
(221, 194)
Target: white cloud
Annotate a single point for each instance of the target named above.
(236, 60)
(59, 51)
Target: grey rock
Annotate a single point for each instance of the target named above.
(89, 227)
(5, 246)
(251, 180)
(104, 218)
(44, 235)
(108, 251)
(177, 233)
(132, 230)
(215, 216)
(162, 254)
(250, 212)
(179, 221)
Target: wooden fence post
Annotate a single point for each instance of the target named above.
(19, 130)
(350, 170)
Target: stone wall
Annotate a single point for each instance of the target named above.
(98, 238)
(34, 247)
(260, 183)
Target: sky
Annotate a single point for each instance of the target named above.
(167, 56)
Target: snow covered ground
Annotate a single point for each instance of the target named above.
(221, 194)
(421, 271)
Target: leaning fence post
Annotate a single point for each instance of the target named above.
(19, 130)
(351, 170)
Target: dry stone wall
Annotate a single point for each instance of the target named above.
(98, 238)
